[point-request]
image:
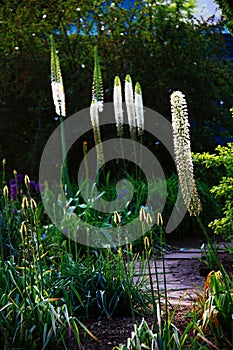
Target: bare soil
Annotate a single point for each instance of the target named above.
(111, 332)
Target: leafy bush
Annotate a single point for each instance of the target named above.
(223, 191)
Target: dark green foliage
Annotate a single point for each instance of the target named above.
(227, 8)
(156, 45)
(222, 191)
(102, 285)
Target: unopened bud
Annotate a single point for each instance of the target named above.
(146, 242)
(5, 191)
(25, 203)
(149, 220)
(23, 230)
(85, 146)
(27, 180)
(117, 218)
(14, 172)
(142, 215)
(33, 204)
(159, 219)
(4, 162)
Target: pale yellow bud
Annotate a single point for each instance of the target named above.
(23, 230)
(27, 180)
(5, 191)
(117, 218)
(142, 215)
(14, 172)
(146, 242)
(159, 219)
(25, 203)
(149, 220)
(4, 162)
(119, 251)
(33, 204)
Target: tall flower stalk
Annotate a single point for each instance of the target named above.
(118, 110)
(139, 109)
(183, 155)
(139, 113)
(184, 162)
(129, 100)
(96, 107)
(97, 84)
(60, 107)
(94, 112)
(57, 82)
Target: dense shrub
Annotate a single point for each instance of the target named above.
(223, 159)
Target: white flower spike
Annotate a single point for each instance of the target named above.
(129, 100)
(139, 109)
(57, 83)
(117, 101)
(183, 155)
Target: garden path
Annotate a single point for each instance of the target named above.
(182, 268)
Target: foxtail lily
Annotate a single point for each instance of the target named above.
(183, 155)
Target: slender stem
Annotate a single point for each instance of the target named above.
(152, 287)
(210, 244)
(164, 272)
(65, 175)
(128, 283)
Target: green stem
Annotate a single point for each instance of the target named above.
(200, 222)
(152, 287)
(164, 273)
(128, 283)
(65, 175)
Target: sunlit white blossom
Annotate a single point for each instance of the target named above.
(94, 113)
(129, 100)
(117, 101)
(139, 109)
(97, 84)
(57, 83)
(183, 156)
(59, 97)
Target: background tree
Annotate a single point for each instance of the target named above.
(160, 46)
(227, 9)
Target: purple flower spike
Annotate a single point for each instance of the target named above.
(40, 187)
(19, 178)
(12, 182)
(13, 191)
(32, 185)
